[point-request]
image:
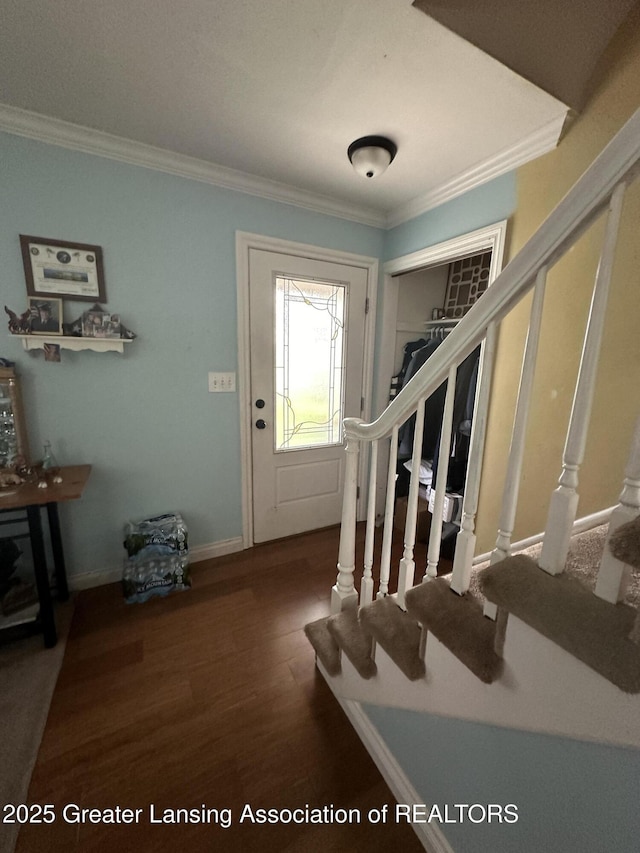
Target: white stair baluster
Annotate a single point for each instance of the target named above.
(407, 563)
(466, 538)
(564, 501)
(366, 588)
(387, 536)
(435, 534)
(343, 593)
(516, 451)
(614, 575)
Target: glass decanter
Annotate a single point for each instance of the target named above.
(50, 467)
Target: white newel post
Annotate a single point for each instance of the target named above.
(466, 539)
(564, 501)
(516, 451)
(366, 588)
(614, 575)
(387, 536)
(344, 594)
(407, 563)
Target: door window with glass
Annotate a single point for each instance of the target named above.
(310, 319)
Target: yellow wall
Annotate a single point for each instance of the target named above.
(541, 184)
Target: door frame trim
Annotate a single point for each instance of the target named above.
(491, 238)
(246, 241)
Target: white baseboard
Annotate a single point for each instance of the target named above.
(216, 549)
(87, 580)
(581, 525)
(430, 835)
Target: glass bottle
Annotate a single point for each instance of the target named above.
(50, 466)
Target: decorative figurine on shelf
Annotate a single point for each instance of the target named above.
(73, 329)
(9, 478)
(127, 334)
(19, 325)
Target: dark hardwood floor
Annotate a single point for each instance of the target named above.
(210, 697)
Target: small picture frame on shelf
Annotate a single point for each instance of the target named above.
(61, 268)
(45, 316)
(97, 323)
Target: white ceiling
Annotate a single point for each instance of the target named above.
(276, 89)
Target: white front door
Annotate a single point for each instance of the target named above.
(307, 323)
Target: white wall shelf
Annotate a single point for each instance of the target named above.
(34, 342)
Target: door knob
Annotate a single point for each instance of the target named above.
(260, 424)
(259, 404)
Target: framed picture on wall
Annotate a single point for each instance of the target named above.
(64, 269)
(46, 316)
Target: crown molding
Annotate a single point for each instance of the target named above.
(538, 143)
(78, 138)
(99, 143)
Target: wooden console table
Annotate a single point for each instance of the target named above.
(30, 498)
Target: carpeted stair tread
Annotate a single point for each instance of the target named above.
(625, 543)
(325, 646)
(397, 633)
(564, 610)
(356, 644)
(459, 624)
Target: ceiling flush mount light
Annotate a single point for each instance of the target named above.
(371, 155)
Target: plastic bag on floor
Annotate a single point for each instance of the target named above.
(158, 557)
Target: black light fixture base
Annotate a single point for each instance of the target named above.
(373, 142)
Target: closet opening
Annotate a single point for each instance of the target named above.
(431, 301)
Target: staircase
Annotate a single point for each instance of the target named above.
(535, 648)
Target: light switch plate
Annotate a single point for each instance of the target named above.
(222, 381)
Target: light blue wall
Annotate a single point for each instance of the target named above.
(157, 440)
(482, 206)
(572, 797)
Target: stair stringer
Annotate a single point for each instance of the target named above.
(542, 689)
(431, 836)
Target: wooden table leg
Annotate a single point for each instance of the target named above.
(58, 553)
(42, 579)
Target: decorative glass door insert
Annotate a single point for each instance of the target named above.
(310, 319)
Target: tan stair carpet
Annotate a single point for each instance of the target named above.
(325, 646)
(582, 561)
(625, 543)
(357, 645)
(566, 611)
(457, 622)
(397, 633)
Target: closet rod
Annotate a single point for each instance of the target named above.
(446, 321)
